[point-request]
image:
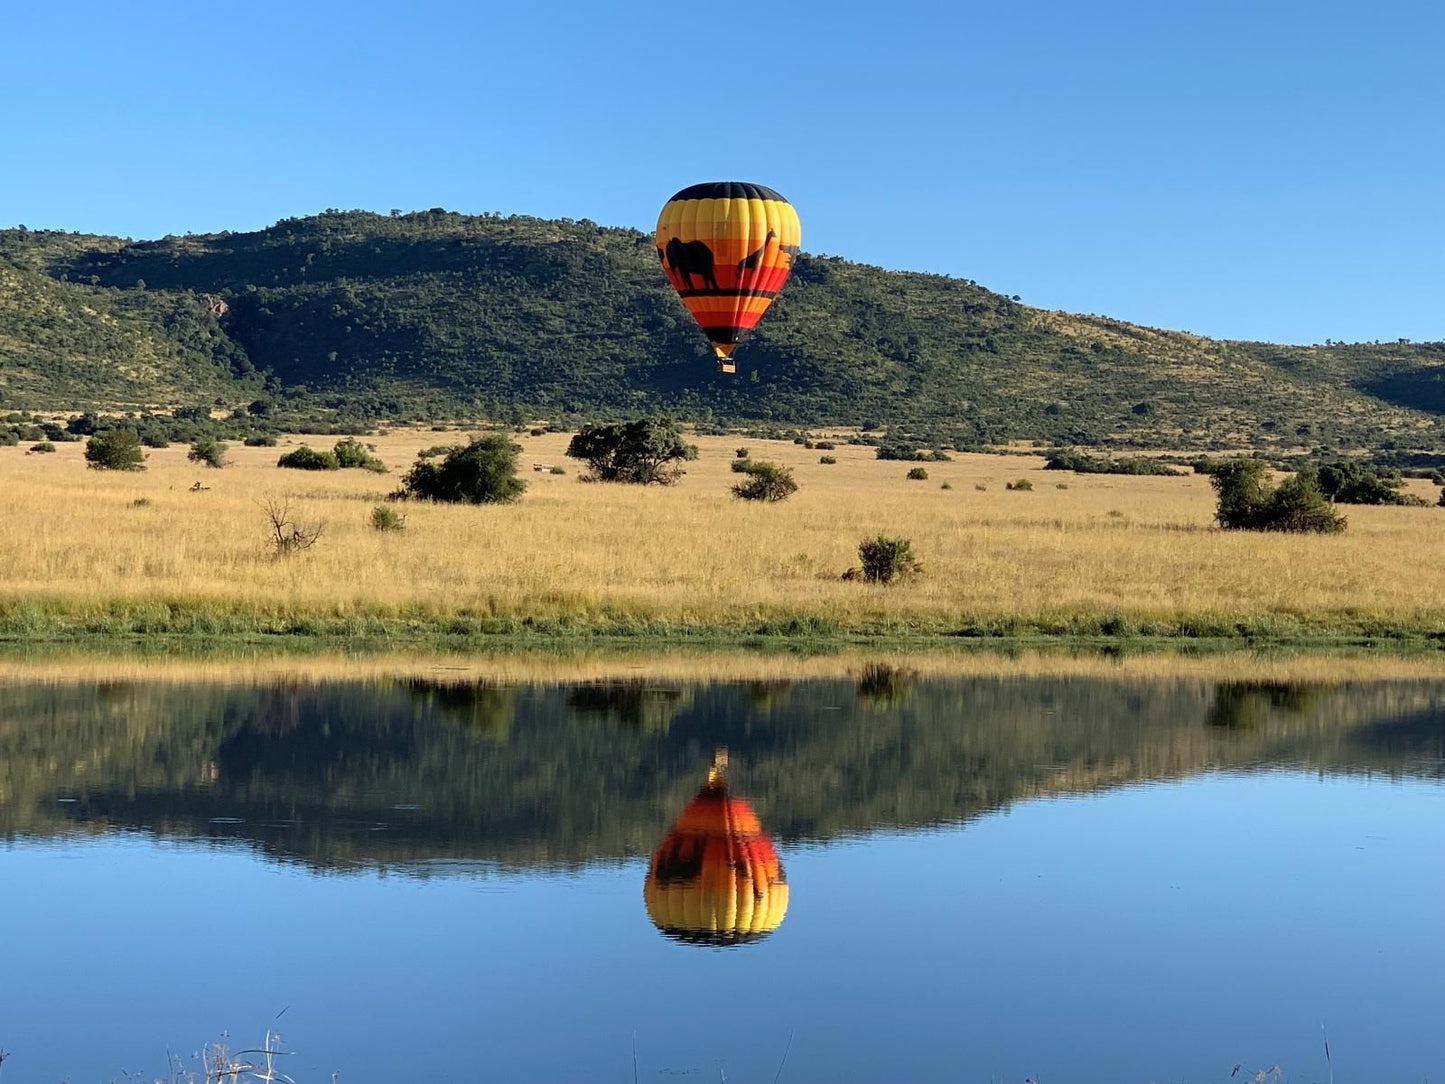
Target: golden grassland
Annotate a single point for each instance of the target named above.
(1081, 555)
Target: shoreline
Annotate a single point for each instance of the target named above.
(179, 622)
(548, 660)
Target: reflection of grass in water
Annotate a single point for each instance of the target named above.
(773, 664)
(884, 685)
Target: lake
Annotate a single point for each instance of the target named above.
(894, 877)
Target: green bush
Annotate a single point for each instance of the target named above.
(1021, 485)
(741, 466)
(1357, 483)
(766, 482)
(115, 449)
(1082, 463)
(556, 470)
(824, 445)
(829, 459)
(386, 518)
(43, 447)
(351, 453)
(886, 559)
(740, 453)
(909, 453)
(208, 450)
(482, 472)
(1248, 502)
(918, 474)
(260, 440)
(642, 452)
(946, 485)
(308, 458)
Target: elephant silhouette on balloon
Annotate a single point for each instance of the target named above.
(688, 258)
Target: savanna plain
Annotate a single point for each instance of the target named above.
(86, 552)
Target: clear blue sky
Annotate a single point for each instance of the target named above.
(1239, 169)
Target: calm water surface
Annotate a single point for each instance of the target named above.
(971, 880)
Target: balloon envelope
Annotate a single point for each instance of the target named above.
(727, 248)
(716, 879)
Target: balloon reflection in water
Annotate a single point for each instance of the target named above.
(716, 879)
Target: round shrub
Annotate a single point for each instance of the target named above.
(918, 474)
(766, 482)
(886, 559)
(482, 472)
(43, 447)
(352, 453)
(115, 449)
(829, 459)
(308, 458)
(386, 518)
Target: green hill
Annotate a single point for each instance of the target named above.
(438, 314)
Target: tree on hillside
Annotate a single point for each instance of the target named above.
(115, 449)
(482, 472)
(643, 452)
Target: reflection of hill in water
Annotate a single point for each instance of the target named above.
(344, 774)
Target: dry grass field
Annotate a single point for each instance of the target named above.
(1106, 555)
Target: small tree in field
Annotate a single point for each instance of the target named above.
(482, 472)
(115, 449)
(887, 559)
(766, 482)
(208, 450)
(643, 452)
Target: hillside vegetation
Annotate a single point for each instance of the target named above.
(436, 314)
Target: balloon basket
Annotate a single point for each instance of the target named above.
(725, 366)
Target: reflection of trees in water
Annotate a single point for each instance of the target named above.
(1247, 705)
(339, 773)
(633, 703)
(484, 708)
(885, 686)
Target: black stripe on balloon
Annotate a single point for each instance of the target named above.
(726, 336)
(728, 190)
(727, 293)
(717, 938)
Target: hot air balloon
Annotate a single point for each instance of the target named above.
(727, 248)
(715, 879)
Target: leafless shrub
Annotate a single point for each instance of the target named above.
(288, 534)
